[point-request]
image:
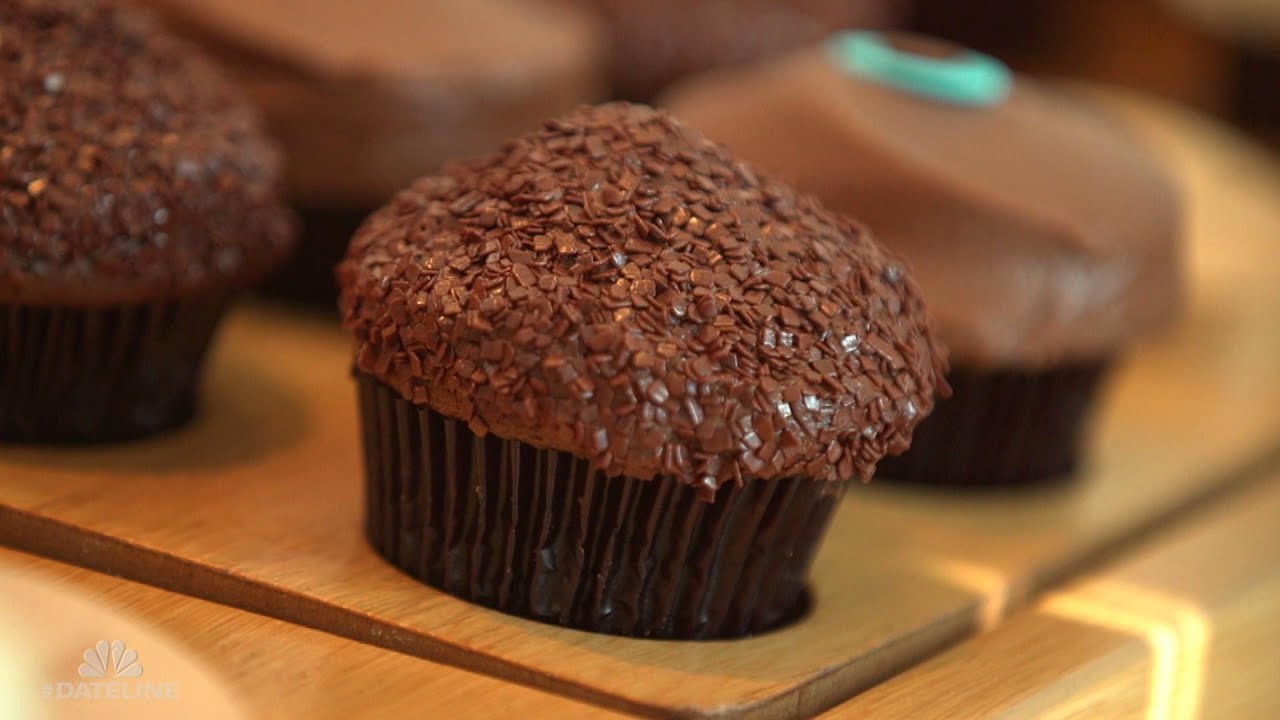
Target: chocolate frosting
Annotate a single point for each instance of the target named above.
(616, 286)
(654, 42)
(1038, 229)
(366, 96)
(129, 168)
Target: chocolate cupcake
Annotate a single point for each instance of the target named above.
(365, 97)
(655, 42)
(612, 379)
(1043, 237)
(138, 197)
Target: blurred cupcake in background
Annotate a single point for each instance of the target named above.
(1044, 239)
(655, 42)
(138, 195)
(366, 96)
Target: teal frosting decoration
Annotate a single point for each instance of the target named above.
(968, 78)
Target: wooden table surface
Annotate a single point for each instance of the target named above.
(257, 504)
(1187, 625)
(223, 663)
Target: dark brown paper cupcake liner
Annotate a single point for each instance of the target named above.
(537, 533)
(87, 375)
(1000, 429)
(307, 278)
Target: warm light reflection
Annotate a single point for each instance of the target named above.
(1176, 631)
(992, 586)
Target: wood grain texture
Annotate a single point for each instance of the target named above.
(223, 663)
(1186, 626)
(258, 504)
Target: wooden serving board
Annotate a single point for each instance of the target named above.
(1186, 626)
(258, 503)
(214, 662)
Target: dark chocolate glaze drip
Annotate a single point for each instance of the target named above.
(540, 534)
(72, 375)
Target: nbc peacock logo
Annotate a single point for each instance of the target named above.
(110, 660)
(111, 671)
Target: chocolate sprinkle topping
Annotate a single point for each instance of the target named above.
(614, 285)
(129, 168)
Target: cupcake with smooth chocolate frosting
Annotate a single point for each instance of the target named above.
(611, 378)
(365, 97)
(1043, 237)
(138, 197)
(655, 42)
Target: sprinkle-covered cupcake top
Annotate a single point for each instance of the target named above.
(616, 286)
(128, 167)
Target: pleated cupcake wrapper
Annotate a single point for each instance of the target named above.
(106, 374)
(537, 533)
(1001, 429)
